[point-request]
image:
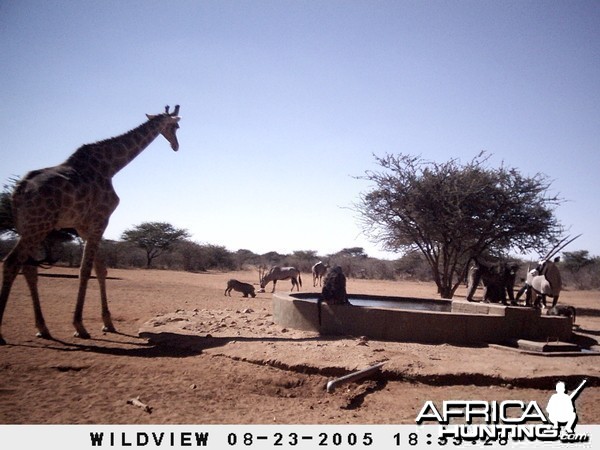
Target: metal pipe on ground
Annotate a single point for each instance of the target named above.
(354, 376)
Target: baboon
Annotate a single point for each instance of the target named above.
(334, 289)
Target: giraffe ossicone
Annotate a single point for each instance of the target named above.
(76, 194)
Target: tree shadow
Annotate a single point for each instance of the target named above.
(592, 312)
(72, 276)
(584, 339)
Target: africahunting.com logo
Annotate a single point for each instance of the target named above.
(509, 420)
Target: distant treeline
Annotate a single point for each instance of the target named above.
(579, 270)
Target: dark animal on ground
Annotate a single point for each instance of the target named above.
(563, 310)
(244, 288)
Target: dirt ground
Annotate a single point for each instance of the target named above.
(242, 368)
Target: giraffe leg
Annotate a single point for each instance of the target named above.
(10, 271)
(12, 264)
(85, 271)
(31, 275)
(100, 268)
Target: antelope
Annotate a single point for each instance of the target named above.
(545, 279)
(318, 271)
(282, 273)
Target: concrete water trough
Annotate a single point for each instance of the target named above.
(431, 321)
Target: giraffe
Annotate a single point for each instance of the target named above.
(76, 194)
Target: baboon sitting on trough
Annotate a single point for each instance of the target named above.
(245, 288)
(334, 289)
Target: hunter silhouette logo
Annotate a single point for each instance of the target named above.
(561, 407)
(507, 420)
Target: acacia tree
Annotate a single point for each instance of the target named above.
(7, 224)
(452, 212)
(154, 238)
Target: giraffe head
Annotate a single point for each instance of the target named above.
(169, 125)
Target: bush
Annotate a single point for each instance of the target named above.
(578, 269)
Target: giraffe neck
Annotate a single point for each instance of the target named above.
(109, 156)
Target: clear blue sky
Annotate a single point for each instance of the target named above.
(284, 102)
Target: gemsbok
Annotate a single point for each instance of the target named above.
(277, 273)
(318, 272)
(545, 279)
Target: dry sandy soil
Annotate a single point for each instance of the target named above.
(243, 368)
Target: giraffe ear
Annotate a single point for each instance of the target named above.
(150, 116)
